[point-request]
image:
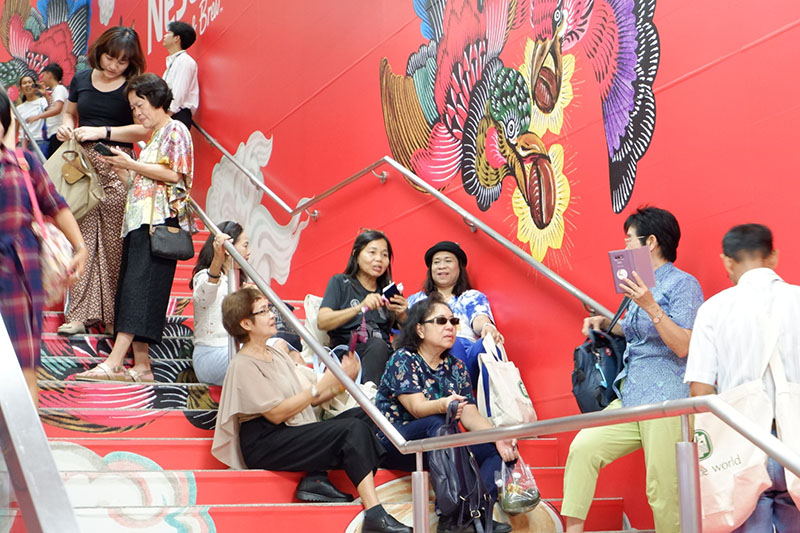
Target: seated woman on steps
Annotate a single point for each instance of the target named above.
(368, 271)
(265, 418)
(159, 184)
(447, 275)
(209, 286)
(420, 381)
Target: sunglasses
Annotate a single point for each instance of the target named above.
(441, 320)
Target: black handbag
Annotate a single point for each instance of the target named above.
(169, 242)
(456, 479)
(598, 361)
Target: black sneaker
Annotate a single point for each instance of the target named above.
(320, 490)
(383, 524)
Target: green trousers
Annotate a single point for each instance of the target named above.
(594, 448)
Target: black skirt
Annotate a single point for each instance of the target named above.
(145, 282)
(346, 442)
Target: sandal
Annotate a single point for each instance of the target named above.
(104, 372)
(141, 376)
(71, 328)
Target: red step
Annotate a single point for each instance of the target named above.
(70, 424)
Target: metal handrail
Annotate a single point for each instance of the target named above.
(472, 221)
(24, 126)
(253, 179)
(686, 451)
(34, 476)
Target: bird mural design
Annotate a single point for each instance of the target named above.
(459, 109)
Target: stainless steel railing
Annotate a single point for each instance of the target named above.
(472, 221)
(34, 477)
(686, 451)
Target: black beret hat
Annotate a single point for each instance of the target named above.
(446, 246)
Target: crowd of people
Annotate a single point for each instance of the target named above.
(421, 352)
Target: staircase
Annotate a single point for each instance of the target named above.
(137, 456)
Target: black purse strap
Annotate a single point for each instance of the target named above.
(622, 306)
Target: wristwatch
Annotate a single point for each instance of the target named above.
(108, 133)
(656, 319)
(314, 391)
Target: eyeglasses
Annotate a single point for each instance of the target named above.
(442, 320)
(641, 239)
(261, 312)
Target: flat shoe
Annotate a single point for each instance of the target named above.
(71, 328)
(104, 372)
(320, 490)
(385, 524)
(141, 376)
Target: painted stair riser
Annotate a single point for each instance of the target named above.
(195, 454)
(605, 515)
(127, 423)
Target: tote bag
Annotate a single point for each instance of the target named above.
(75, 178)
(787, 405)
(502, 397)
(733, 471)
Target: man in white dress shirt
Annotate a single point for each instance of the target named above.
(181, 73)
(727, 343)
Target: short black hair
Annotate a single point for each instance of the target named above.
(747, 239)
(56, 70)
(184, 32)
(5, 111)
(409, 337)
(661, 223)
(151, 87)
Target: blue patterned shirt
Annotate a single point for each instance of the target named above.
(466, 306)
(652, 372)
(408, 373)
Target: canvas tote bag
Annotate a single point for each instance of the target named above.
(502, 397)
(787, 406)
(733, 471)
(75, 178)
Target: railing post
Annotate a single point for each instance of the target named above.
(419, 497)
(688, 480)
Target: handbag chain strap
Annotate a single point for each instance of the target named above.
(37, 212)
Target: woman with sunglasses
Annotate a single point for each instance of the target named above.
(421, 380)
(266, 418)
(354, 297)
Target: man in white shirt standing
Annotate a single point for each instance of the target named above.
(57, 96)
(181, 73)
(728, 342)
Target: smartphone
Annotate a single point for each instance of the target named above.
(102, 149)
(392, 290)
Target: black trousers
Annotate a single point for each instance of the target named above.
(346, 442)
(374, 353)
(145, 282)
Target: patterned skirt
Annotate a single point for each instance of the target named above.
(92, 298)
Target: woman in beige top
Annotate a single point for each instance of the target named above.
(265, 418)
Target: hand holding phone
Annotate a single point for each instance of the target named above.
(102, 149)
(393, 289)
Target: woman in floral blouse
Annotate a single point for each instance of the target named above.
(420, 381)
(163, 171)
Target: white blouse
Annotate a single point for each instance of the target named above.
(208, 329)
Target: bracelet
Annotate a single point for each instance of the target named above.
(108, 133)
(212, 276)
(78, 249)
(656, 319)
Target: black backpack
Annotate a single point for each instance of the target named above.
(456, 479)
(598, 361)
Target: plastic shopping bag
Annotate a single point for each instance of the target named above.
(517, 489)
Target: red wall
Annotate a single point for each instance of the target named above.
(306, 74)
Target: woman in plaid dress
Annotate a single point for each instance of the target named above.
(21, 292)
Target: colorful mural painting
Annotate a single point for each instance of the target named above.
(55, 31)
(460, 110)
